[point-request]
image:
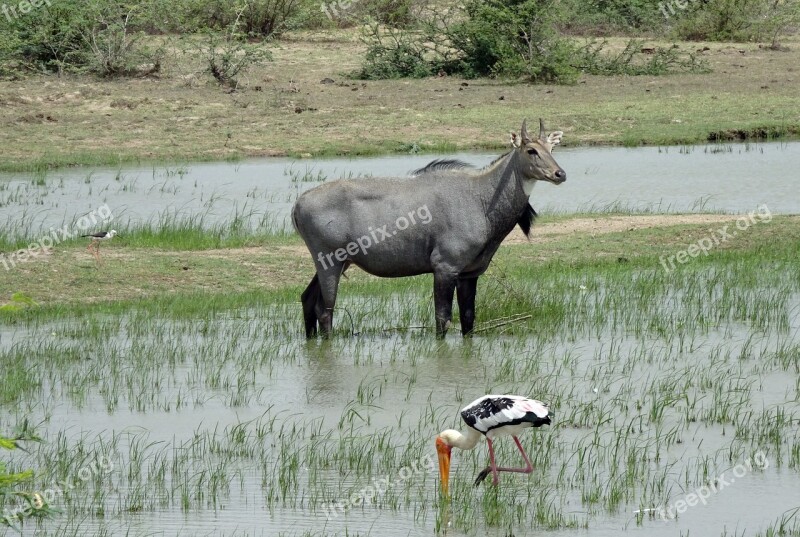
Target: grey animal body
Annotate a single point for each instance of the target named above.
(447, 219)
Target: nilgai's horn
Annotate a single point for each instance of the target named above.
(523, 133)
(542, 135)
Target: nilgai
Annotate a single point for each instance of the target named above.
(447, 218)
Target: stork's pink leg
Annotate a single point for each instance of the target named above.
(494, 469)
(528, 468)
(493, 465)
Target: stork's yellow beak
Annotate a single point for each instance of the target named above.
(444, 464)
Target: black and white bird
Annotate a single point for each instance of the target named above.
(97, 238)
(492, 416)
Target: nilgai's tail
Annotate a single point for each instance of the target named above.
(310, 297)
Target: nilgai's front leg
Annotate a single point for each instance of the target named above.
(465, 291)
(444, 285)
(329, 284)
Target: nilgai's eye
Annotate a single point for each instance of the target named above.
(532, 151)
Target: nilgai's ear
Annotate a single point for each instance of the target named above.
(554, 138)
(523, 132)
(514, 140)
(542, 135)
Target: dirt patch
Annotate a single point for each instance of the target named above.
(541, 233)
(593, 226)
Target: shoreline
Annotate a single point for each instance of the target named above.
(277, 268)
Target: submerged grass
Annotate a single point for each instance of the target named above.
(202, 397)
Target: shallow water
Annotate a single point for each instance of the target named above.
(731, 178)
(166, 389)
(230, 423)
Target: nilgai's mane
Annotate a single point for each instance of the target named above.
(452, 164)
(443, 165)
(528, 215)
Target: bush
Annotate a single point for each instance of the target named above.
(393, 54)
(510, 39)
(632, 61)
(513, 39)
(116, 50)
(604, 17)
(394, 13)
(255, 18)
(738, 20)
(76, 35)
(502, 38)
(781, 18)
(52, 37)
(32, 504)
(227, 54)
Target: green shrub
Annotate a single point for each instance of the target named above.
(605, 17)
(780, 19)
(77, 35)
(516, 38)
(632, 61)
(393, 54)
(28, 505)
(256, 18)
(395, 13)
(227, 54)
(737, 20)
(501, 38)
(116, 49)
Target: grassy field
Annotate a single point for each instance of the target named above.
(142, 268)
(282, 108)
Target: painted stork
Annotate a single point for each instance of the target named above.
(94, 245)
(492, 416)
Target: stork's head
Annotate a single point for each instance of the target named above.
(443, 448)
(112, 233)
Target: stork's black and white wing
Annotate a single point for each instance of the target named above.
(493, 413)
(98, 235)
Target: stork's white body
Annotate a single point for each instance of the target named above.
(492, 416)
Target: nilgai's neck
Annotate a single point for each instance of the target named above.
(504, 197)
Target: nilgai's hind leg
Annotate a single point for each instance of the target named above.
(329, 284)
(465, 291)
(312, 302)
(444, 285)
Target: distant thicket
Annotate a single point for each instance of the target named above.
(106, 36)
(535, 39)
(520, 39)
(531, 39)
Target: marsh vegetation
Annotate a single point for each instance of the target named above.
(185, 400)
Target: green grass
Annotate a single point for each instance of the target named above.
(150, 265)
(212, 401)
